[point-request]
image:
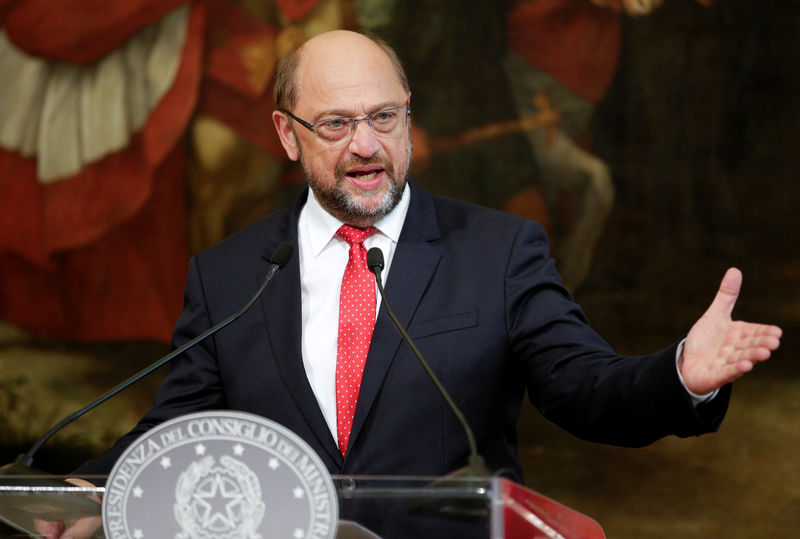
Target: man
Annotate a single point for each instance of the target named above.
(475, 288)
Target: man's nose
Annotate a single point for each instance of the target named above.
(364, 142)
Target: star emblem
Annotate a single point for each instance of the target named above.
(165, 462)
(200, 449)
(238, 450)
(137, 491)
(298, 533)
(218, 502)
(297, 492)
(273, 464)
(137, 534)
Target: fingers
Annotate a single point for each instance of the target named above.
(49, 529)
(755, 354)
(753, 348)
(759, 341)
(771, 331)
(758, 336)
(728, 293)
(83, 528)
(78, 482)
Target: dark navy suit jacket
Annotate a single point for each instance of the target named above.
(478, 292)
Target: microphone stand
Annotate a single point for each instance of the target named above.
(477, 465)
(22, 464)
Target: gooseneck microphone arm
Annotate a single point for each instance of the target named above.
(375, 265)
(279, 258)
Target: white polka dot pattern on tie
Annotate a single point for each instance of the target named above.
(356, 322)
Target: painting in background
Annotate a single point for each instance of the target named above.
(654, 140)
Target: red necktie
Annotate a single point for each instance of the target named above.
(356, 322)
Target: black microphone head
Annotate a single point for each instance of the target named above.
(282, 254)
(375, 259)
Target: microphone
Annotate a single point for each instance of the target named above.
(21, 466)
(477, 465)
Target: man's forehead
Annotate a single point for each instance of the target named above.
(346, 71)
(340, 47)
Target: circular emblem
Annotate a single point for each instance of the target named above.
(220, 474)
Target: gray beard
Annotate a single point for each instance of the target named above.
(342, 205)
(345, 206)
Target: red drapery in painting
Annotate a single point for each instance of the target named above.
(102, 255)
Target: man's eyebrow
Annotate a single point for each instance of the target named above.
(343, 113)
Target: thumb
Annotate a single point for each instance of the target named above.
(727, 294)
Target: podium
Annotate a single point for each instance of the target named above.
(369, 507)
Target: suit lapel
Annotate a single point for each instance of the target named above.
(282, 313)
(414, 262)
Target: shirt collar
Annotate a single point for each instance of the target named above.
(322, 226)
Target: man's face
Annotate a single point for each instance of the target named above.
(359, 179)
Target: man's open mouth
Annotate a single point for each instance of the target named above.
(364, 175)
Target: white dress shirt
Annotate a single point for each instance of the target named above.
(323, 256)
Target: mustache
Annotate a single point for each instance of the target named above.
(356, 161)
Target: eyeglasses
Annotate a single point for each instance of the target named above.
(384, 122)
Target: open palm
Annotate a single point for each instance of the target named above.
(718, 349)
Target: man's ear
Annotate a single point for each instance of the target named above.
(286, 134)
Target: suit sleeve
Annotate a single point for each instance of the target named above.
(575, 378)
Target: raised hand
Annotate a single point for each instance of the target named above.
(718, 349)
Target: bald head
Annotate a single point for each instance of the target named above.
(334, 52)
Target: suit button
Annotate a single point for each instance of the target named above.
(348, 483)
